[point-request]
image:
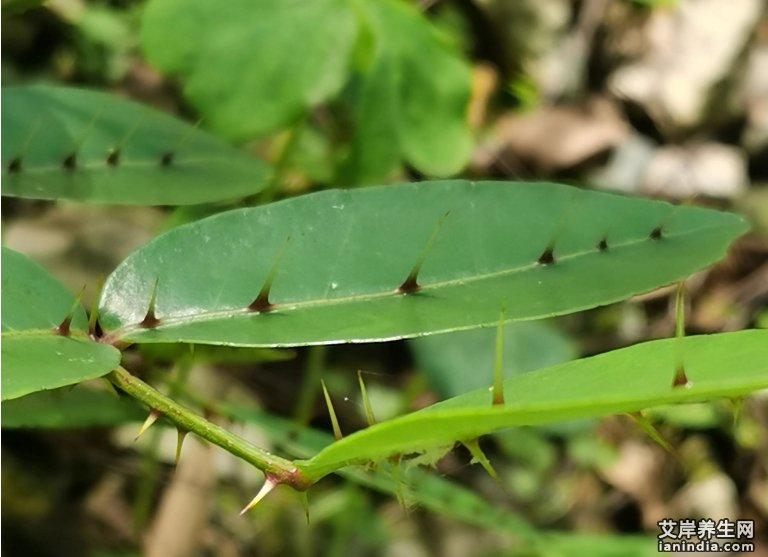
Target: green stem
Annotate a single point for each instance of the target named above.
(281, 470)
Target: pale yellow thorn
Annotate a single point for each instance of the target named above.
(180, 435)
(269, 485)
(151, 419)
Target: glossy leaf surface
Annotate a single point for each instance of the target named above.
(34, 357)
(345, 254)
(625, 380)
(67, 143)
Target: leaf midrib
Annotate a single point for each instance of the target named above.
(171, 321)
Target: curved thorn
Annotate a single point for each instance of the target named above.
(334, 421)
(151, 419)
(181, 434)
(411, 283)
(63, 328)
(150, 319)
(269, 484)
(478, 456)
(646, 425)
(261, 303)
(369, 417)
(305, 503)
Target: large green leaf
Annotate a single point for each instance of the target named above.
(70, 408)
(350, 250)
(34, 357)
(66, 143)
(626, 380)
(410, 98)
(252, 66)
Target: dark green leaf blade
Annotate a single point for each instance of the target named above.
(625, 380)
(350, 250)
(67, 143)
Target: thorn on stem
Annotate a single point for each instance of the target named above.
(646, 425)
(657, 233)
(181, 434)
(151, 419)
(166, 159)
(269, 484)
(478, 456)
(602, 245)
(305, 503)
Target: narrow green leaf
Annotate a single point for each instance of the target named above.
(251, 66)
(67, 143)
(410, 98)
(34, 356)
(70, 408)
(447, 498)
(626, 380)
(351, 251)
(39, 360)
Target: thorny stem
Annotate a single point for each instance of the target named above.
(281, 469)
